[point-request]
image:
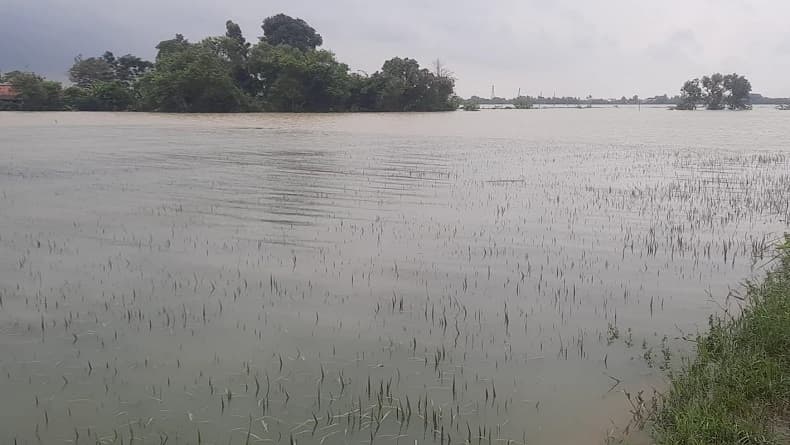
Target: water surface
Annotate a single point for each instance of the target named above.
(439, 278)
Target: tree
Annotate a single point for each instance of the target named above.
(129, 68)
(190, 78)
(104, 83)
(76, 98)
(174, 45)
(109, 57)
(234, 48)
(714, 91)
(284, 71)
(107, 68)
(364, 92)
(101, 96)
(738, 89)
(403, 86)
(233, 31)
(690, 95)
(440, 69)
(112, 96)
(36, 93)
(441, 94)
(85, 72)
(293, 80)
(281, 29)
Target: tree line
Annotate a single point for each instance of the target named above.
(285, 70)
(716, 92)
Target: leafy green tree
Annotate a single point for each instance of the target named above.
(190, 78)
(738, 89)
(403, 86)
(364, 92)
(233, 47)
(111, 96)
(233, 31)
(234, 56)
(714, 91)
(284, 71)
(690, 95)
(109, 57)
(76, 98)
(106, 82)
(174, 45)
(129, 68)
(294, 80)
(85, 72)
(107, 68)
(36, 93)
(281, 29)
(101, 96)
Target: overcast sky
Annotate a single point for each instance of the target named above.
(607, 48)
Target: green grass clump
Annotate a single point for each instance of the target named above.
(737, 389)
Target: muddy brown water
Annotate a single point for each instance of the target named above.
(387, 278)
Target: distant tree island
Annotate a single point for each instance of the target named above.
(715, 92)
(284, 71)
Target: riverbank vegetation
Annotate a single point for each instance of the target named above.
(285, 70)
(737, 388)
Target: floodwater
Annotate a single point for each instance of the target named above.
(494, 277)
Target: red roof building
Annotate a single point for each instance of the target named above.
(7, 92)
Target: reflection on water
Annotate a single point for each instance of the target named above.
(449, 278)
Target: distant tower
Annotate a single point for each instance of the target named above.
(493, 95)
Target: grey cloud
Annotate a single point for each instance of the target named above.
(574, 47)
(783, 47)
(680, 47)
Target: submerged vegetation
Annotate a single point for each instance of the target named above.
(284, 71)
(737, 389)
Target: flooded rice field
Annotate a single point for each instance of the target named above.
(502, 277)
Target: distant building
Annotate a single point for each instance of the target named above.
(8, 92)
